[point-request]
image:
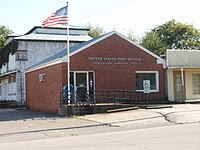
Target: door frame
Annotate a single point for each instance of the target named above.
(73, 81)
(183, 94)
(87, 78)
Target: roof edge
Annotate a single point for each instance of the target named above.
(61, 59)
(51, 63)
(92, 43)
(184, 50)
(70, 27)
(159, 59)
(139, 46)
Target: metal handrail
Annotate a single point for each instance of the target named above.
(109, 96)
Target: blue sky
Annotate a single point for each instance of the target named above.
(122, 15)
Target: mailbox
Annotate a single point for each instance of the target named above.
(65, 91)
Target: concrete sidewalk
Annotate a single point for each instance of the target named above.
(25, 125)
(181, 113)
(135, 118)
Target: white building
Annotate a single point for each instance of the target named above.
(183, 71)
(26, 50)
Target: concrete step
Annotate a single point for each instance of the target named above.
(158, 106)
(121, 109)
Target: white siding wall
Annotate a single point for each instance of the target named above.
(3, 69)
(4, 85)
(10, 66)
(8, 90)
(36, 52)
(12, 91)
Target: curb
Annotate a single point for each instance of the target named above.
(121, 109)
(158, 107)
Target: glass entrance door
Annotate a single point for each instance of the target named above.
(81, 85)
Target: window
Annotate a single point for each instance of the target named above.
(147, 75)
(21, 55)
(11, 79)
(196, 83)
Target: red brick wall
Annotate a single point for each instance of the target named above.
(112, 76)
(44, 96)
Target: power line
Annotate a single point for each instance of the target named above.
(168, 11)
(181, 59)
(105, 10)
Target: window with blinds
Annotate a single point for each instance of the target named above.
(196, 83)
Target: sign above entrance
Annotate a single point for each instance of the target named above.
(114, 60)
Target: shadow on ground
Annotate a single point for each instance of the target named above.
(23, 114)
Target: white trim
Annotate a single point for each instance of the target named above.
(185, 50)
(87, 79)
(7, 73)
(157, 80)
(90, 44)
(88, 84)
(56, 61)
(185, 67)
(87, 73)
(64, 58)
(159, 60)
(94, 80)
(142, 48)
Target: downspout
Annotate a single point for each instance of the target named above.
(182, 83)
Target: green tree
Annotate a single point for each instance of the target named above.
(172, 35)
(4, 32)
(95, 30)
(153, 42)
(10, 48)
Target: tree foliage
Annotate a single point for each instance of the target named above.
(4, 32)
(10, 48)
(171, 35)
(6, 49)
(95, 30)
(153, 42)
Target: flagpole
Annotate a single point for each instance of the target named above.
(68, 58)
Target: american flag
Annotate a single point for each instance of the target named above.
(59, 17)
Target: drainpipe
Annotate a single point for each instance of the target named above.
(20, 79)
(182, 83)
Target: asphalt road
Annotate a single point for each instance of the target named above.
(170, 128)
(184, 137)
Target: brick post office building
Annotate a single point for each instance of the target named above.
(109, 62)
